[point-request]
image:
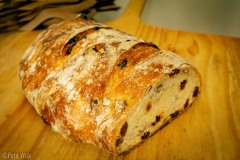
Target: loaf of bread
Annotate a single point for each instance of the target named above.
(98, 85)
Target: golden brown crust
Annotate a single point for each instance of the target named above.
(85, 78)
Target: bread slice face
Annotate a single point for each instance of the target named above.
(98, 85)
(162, 102)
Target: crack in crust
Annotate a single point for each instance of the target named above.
(67, 49)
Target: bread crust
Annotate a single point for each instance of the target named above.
(85, 79)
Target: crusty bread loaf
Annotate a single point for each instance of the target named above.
(98, 85)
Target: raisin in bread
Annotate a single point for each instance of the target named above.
(98, 85)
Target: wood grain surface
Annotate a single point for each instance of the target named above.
(210, 129)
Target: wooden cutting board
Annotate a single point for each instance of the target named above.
(210, 129)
